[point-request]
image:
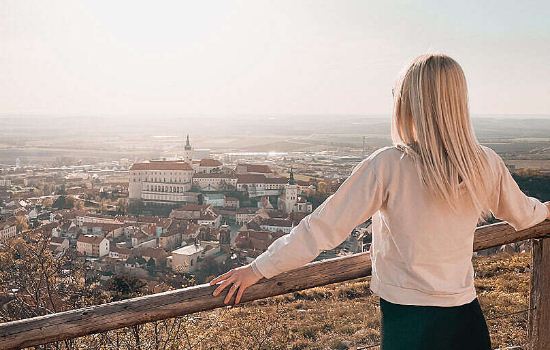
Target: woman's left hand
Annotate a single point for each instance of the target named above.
(240, 278)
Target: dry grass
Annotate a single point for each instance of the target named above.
(339, 316)
(346, 315)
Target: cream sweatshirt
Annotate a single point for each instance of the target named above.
(421, 252)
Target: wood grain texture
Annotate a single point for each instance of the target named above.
(539, 302)
(101, 318)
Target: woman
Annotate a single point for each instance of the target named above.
(426, 194)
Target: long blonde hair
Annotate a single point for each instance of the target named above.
(431, 122)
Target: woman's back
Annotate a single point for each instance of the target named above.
(421, 248)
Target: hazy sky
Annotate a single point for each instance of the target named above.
(263, 57)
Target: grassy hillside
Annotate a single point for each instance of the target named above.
(346, 315)
(339, 316)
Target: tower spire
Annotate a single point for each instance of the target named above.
(187, 144)
(291, 180)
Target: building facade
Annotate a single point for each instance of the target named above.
(94, 246)
(161, 181)
(8, 228)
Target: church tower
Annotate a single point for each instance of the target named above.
(289, 197)
(188, 151)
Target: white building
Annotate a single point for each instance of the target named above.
(258, 185)
(161, 181)
(215, 182)
(83, 220)
(244, 215)
(276, 225)
(95, 246)
(214, 199)
(8, 228)
(289, 202)
(59, 244)
(185, 259)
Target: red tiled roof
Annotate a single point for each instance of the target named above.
(192, 207)
(250, 178)
(275, 213)
(11, 221)
(161, 165)
(276, 180)
(215, 176)
(277, 222)
(106, 227)
(57, 240)
(210, 162)
(256, 239)
(120, 250)
(257, 168)
(155, 253)
(90, 239)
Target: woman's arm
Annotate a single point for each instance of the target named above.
(509, 203)
(357, 199)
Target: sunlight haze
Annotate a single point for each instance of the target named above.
(262, 57)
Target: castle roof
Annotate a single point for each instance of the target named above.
(161, 165)
(210, 162)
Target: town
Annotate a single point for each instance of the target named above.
(171, 222)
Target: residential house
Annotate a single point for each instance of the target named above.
(8, 228)
(120, 253)
(59, 244)
(186, 259)
(94, 246)
(243, 215)
(214, 199)
(172, 237)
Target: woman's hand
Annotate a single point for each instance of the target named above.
(548, 206)
(241, 278)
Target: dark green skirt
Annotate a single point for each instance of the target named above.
(433, 327)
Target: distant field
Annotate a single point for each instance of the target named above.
(42, 139)
(543, 164)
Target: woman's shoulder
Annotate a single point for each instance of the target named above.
(385, 154)
(381, 158)
(495, 161)
(492, 156)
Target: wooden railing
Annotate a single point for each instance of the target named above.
(101, 318)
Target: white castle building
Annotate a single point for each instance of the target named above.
(163, 180)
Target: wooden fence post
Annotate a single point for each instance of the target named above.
(539, 301)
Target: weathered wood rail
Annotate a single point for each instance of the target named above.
(101, 318)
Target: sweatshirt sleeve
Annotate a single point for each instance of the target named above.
(509, 203)
(356, 200)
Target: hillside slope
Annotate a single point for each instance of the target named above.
(346, 315)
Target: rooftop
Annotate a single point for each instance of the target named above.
(188, 250)
(161, 165)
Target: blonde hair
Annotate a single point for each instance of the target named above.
(432, 124)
